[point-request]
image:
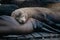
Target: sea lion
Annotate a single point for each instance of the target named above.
(40, 13)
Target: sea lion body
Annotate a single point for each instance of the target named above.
(40, 13)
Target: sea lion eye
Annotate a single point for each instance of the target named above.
(18, 14)
(22, 16)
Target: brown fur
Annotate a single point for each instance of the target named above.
(54, 6)
(34, 12)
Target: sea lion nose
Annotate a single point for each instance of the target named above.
(21, 22)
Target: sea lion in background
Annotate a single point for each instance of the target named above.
(54, 6)
(7, 9)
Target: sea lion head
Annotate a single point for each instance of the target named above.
(20, 16)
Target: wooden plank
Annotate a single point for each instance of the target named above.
(28, 36)
(45, 34)
(21, 37)
(11, 36)
(55, 35)
(50, 35)
(52, 39)
(36, 35)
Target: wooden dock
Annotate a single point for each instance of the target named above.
(33, 36)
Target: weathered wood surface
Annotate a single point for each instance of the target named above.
(33, 36)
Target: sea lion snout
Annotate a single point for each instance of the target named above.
(22, 20)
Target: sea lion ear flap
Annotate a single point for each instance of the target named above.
(13, 14)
